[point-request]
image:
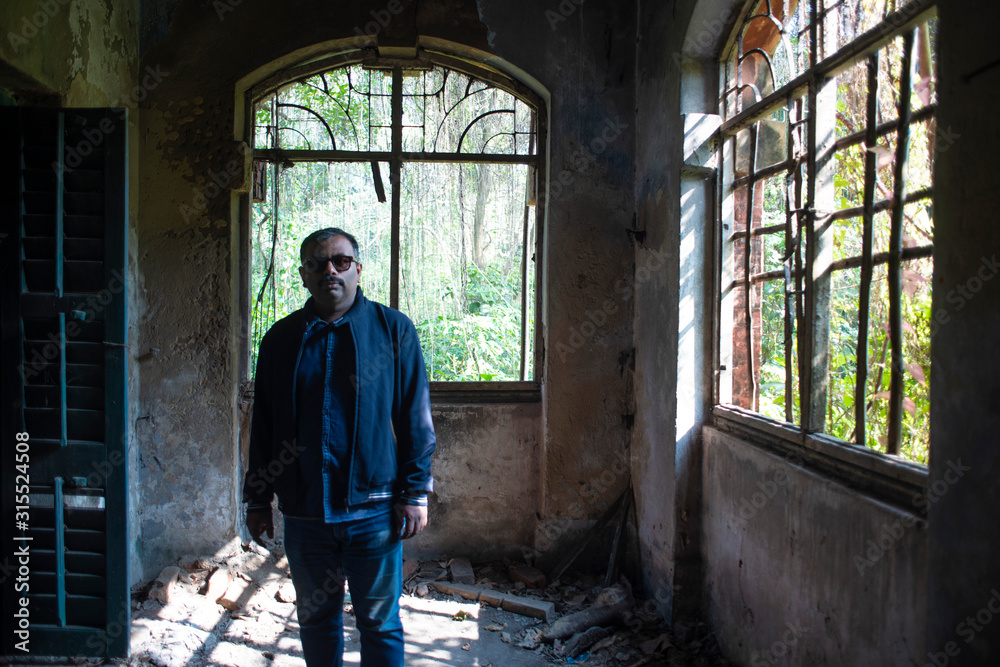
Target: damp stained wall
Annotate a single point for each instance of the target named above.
(189, 253)
(85, 53)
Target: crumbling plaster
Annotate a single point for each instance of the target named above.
(85, 51)
(191, 468)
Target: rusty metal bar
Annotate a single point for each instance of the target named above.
(896, 251)
(748, 286)
(922, 114)
(799, 291)
(877, 207)
(770, 229)
(789, 346)
(888, 127)
(807, 342)
(879, 258)
(864, 296)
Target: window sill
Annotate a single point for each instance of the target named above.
(485, 392)
(889, 478)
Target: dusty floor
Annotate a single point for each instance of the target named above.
(257, 627)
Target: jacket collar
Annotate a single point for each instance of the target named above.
(311, 318)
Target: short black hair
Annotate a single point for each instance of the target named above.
(325, 233)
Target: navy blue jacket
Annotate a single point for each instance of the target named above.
(393, 439)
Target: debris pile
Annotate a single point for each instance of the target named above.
(579, 622)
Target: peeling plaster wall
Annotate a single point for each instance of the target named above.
(85, 53)
(191, 469)
(487, 476)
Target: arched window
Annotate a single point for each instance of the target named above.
(432, 164)
(825, 217)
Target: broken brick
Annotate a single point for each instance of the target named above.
(218, 583)
(462, 590)
(462, 572)
(237, 595)
(529, 576)
(492, 598)
(164, 588)
(529, 607)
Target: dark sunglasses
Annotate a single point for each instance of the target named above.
(317, 264)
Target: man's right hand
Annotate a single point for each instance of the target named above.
(258, 522)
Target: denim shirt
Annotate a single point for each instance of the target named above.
(323, 388)
(387, 406)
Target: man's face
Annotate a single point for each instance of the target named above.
(333, 290)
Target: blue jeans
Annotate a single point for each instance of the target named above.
(369, 554)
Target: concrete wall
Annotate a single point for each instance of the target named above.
(488, 482)
(801, 570)
(85, 53)
(584, 56)
(964, 575)
(673, 289)
(189, 242)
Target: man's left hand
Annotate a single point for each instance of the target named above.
(415, 519)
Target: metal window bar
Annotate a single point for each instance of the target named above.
(886, 128)
(915, 13)
(867, 233)
(807, 341)
(896, 250)
(879, 258)
(792, 146)
(747, 285)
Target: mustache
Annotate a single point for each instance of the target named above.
(331, 279)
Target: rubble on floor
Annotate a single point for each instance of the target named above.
(239, 611)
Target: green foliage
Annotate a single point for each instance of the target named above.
(483, 341)
(460, 227)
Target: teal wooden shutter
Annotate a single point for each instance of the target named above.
(64, 381)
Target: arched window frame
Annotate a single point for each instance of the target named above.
(807, 98)
(488, 71)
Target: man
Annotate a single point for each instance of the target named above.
(342, 433)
